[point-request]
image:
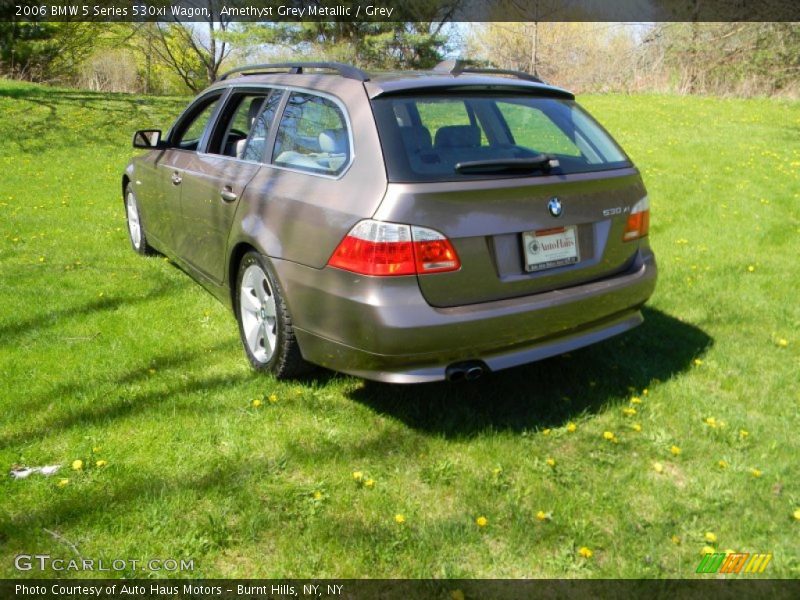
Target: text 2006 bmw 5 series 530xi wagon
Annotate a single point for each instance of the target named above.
(403, 227)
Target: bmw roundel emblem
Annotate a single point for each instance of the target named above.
(554, 206)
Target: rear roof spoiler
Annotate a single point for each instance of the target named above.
(457, 67)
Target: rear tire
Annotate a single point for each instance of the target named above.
(136, 233)
(265, 325)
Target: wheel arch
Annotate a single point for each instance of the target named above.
(236, 255)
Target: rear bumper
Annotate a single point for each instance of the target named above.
(383, 329)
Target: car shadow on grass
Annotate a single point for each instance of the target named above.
(547, 393)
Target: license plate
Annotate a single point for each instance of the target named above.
(550, 248)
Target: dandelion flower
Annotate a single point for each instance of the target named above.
(101, 463)
(609, 436)
(317, 495)
(636, 400)
(723, 464)
(358, 475)
(96, 449)
(645, 391)
(496, 471)
(551, 462)
(546, 431)
(676, 540)
(783, 342)
(755, 472)
(710, 537)
(585, 552)
(796, 514)
(636, 427)
(707, 550)
(675, 450)
(571, 427)
(64, 482)
(658, 467)
(542, 516)
(77, 465)
(751, 268)
(481, 521)
(697, 362)
(256, 403)
(400, 519)
(743, 433)
(273, 398)
(629, 411)
(710, 421)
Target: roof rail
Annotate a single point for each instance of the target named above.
(457, 67)
(348, 71)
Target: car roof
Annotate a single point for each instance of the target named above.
(441, 79)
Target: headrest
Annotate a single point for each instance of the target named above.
(416, 138)
(252, 113)
(333, 141)
(453, 136)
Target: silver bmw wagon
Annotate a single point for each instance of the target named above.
(402, 227)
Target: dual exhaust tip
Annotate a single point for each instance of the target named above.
(465, 371)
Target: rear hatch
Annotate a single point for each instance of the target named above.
(533, 194)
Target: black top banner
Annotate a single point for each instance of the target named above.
(399, 10)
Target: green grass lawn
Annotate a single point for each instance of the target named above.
(105, 356)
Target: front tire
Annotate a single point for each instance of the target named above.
(135, 229)
(265, 325)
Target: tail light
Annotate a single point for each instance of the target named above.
(380, 248)
(638, 221)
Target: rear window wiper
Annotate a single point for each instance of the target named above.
(541, 162)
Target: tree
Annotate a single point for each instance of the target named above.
(378, 45)
(46, 51)
(576, 55)
(749, 58)
(194, 52)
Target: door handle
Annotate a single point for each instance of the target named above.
(176, 178)
(227, 194)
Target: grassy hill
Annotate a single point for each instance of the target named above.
(105, 356)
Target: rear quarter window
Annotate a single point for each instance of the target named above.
(312, 136)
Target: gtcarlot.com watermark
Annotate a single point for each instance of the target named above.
(44, 562)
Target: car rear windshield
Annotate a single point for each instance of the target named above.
(456, 137)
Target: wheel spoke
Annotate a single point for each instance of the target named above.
(269, 307)
(264, 338)
(250, 302)
(258, 286)
(269, 336)
(252, 332)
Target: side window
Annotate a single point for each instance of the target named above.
(312, 136)
(236, 123)
(189, 132)
(254, 150)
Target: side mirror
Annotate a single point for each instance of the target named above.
(147, 139)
